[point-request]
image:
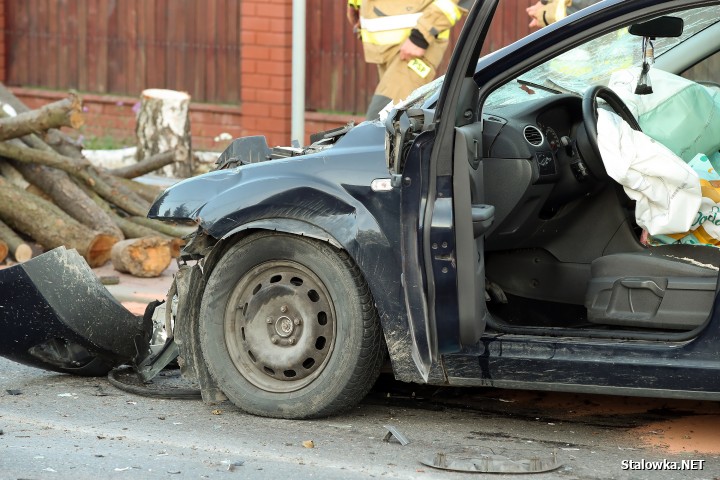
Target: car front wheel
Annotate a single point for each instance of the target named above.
(288, 327)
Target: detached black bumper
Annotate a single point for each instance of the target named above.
(56, 315)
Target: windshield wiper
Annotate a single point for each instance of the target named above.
(538, 86)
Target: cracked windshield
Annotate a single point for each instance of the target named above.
(594, 62)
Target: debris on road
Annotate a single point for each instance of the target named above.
(393, 432)
(109, 279)
(232, 465)
(308, 444)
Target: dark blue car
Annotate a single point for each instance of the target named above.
(472, 236)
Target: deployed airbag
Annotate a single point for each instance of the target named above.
(681, 114)
(666, 190)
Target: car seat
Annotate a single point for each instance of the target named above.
(667, 287)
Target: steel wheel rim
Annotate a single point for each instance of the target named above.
(280, 326)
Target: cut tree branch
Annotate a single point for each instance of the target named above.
(19, 250)
(144, 166)
(105, 185)
(50, 226)
(132, 229)
(166, 228)
(66, 194)
(64, 113)
(143, 190)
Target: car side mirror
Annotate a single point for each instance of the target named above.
(661, 27)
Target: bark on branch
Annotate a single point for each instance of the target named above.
(50, 226)
(19, 250)
(142, 257)
(64, 113)
(105, 185)
(65, 193)
(136, 230)
(144, 166)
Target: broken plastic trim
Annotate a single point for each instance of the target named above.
(56, 315)
(393, 432)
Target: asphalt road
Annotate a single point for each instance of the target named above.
(62, 427)
(58, 426)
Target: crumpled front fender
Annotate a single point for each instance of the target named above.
(56, 315)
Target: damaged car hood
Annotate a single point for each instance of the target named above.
(317, 184)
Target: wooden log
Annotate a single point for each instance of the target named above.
(4, 249)
(107, 186)
(120, 195)
(17, 150)
(19, 250)
(143, 190)
(163, 125)
(50, 226)
(64, 148)
(67, 195)
(38, 192)
(64, 113)
(33, 140)
(145, 165)
(59, 141)
(142, 257)
(58, 148)
(58, 187)
(12, 175)
(135, 230)
(166, 228)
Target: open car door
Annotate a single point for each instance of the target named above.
(443, 215)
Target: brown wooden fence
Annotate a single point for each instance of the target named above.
(125, 46)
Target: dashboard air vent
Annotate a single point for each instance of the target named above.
(533, 135)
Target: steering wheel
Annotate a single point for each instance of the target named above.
(588, 146)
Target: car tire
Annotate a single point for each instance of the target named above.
(288, 327)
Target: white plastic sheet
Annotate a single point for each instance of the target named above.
(666, 190)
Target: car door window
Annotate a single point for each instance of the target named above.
(706, 72)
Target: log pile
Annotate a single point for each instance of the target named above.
(51, 195)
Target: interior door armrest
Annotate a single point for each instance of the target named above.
(482, 218)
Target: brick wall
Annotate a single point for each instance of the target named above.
(266, 68)
(2, 41)
(265, 90)
(113, 116)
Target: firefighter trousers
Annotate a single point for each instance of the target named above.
(398, 78)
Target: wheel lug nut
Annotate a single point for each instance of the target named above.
(298, 321)
(284, 309)
(292, 341)
(274, 339)
(268, 320)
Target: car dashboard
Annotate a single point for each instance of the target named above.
(533, 168)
